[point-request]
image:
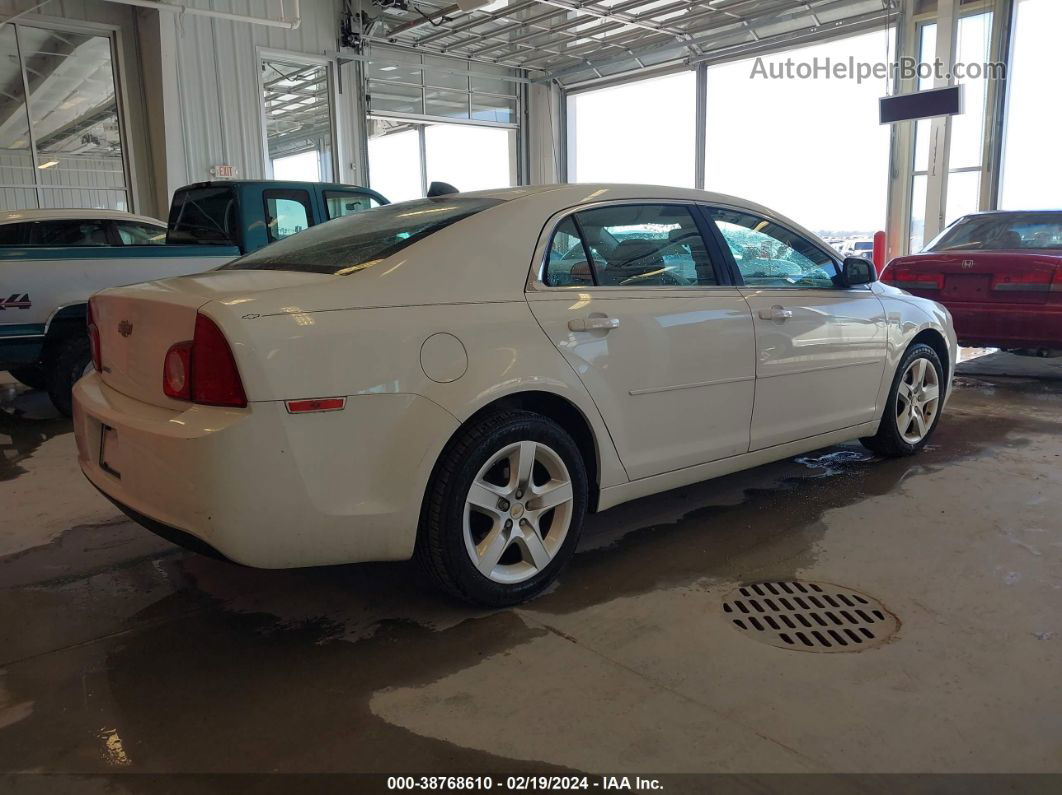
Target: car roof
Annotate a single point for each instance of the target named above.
(567, 195)
(16, 216)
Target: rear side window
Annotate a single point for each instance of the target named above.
(68, 233)
(358, 241)
(631, 245)
(134, 233)
(287, 212)
(340, 203)
(204, 216)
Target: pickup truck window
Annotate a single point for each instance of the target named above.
(340, 203)
(204, 215)
(357, 241)
(134, 233)
(11, 234)
(287, 212)
(73, 232)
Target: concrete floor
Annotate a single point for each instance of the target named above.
(119, 652)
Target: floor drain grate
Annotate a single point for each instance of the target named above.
(809, 616)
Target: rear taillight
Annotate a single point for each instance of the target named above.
(203, 370)
(94, 339)
(1023, 281)
(911, 279)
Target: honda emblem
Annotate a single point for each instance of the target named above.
(125, 328)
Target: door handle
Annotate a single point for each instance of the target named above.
(778, 313)
(593, 323)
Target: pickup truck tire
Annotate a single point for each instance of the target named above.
(69, 360)
(33, 377)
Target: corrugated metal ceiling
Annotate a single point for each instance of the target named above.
(579, 40)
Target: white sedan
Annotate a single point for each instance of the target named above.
(463, 378)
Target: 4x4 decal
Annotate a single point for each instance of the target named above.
(16, 302)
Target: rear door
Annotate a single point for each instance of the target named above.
(642, 307)
(820, 348)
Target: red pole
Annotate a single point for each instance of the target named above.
(879, 251)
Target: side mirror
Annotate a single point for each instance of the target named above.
(858, 271)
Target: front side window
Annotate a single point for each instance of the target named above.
(340, 203)
(134, 233)
(347, 245)
(645, 245)
(769, 255)
(287, 212)
(11, 234)
(1001, 232)
(68, 233)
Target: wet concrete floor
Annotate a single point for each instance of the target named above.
(122, 653)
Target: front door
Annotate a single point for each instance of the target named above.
(820, 347)
(641, 310)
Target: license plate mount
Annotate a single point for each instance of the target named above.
(109, 450)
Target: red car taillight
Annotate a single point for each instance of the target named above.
(911, 279)
(203, 370)
(1023, 281)
(94, 339)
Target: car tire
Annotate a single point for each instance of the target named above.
(911, 412)
(33, 377)
(70, 359)
(496, 553)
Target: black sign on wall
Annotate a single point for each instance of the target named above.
(922, 105)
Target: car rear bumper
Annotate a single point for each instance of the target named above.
(999, 325)
(263, 487)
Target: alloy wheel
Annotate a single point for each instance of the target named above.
(917, 400)
(518, 511)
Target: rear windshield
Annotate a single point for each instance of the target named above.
(1001, 233)
(205, 216)
(357, 241)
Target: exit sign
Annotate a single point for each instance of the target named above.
(223, 172)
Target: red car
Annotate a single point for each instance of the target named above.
(1000, 276)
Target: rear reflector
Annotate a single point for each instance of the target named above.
(316, 404)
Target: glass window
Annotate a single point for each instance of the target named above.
(350, 244)
(469, 157)
(203, 215)
(68, 233)
(1032, 157)
(340, 203)
(73, 112)
(1002, 232)
(287, 212)
(646, 245)
(636, 132)
(296, 101)
(769, 255)
(567, 265)
(394, 160)
(810, 149)
(135, 233)
(11, 234)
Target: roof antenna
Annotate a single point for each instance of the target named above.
(441, 189)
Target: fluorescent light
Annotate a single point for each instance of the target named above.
(49, 164)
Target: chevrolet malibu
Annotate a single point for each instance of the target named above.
(461, 379)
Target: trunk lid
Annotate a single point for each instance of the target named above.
(1011, 277)
(138, 324)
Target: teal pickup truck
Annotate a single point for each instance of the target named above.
(51, 261)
